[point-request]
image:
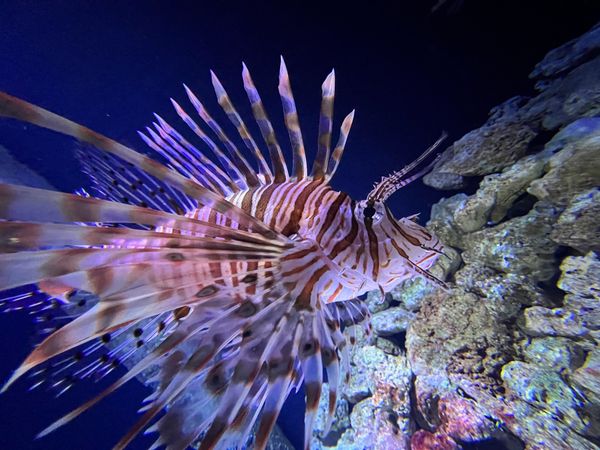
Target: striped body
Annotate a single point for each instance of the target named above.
(243, 278)
(350, 258)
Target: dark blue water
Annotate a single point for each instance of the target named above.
(408, 73)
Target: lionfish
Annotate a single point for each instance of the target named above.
(244, 277)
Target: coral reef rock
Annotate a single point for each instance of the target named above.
(501, 141)
(569, 98)
(569, 55)
(577, 226)
(521, 245)
(575, 167)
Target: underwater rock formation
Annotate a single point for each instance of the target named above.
(510, 354)
(376, 401)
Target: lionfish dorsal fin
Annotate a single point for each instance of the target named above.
(183, 155)
(292, 123)
(265, 126)
(234, 174)
(236, 156)
(114, 179)
(238, 123)
(321, 161)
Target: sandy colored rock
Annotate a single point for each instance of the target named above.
(521, 245)
(545, 389)
(391, 321)
(575, 168)
(540, 321)
(503, 293)
(442, 222)
(554, 353)
(577, 226)
(569, 55)
(564, 100)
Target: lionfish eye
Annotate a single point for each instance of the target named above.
(369, 211)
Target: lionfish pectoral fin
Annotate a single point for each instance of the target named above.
(276, 343)
(15, 108)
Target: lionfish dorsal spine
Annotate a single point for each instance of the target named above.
(292, 123)
(338, 151)
(238, 123)
(236, 156)
(235, 175)
(19, 109)
(265, 127)
(185, 156)
(321, 161)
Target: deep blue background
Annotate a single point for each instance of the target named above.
(409, 74)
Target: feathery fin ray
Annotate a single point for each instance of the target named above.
(19, 109)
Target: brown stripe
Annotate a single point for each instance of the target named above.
(301, 268)
(247, 201)
(303, 301)
(333, 296)
(413, 240)
(425, 258)
(234, 278)
(399, 250)
(317, 202)
(251, 288)
(279, 206)
(348, 240)
(332, 213)
(263, 202)
(100, 279)
(298, 255)
(332, 402)
(373, 247)
(293, 224)
(313, 395)
(264, 429)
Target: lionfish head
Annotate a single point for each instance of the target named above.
(398, 248)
